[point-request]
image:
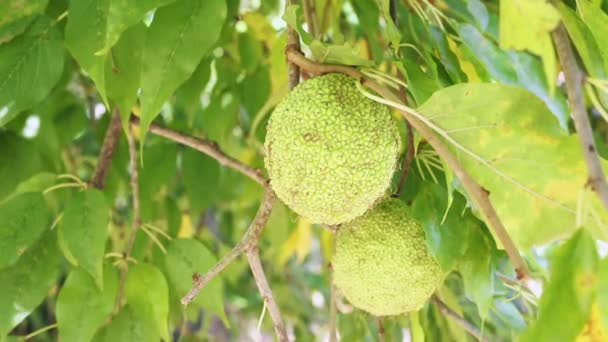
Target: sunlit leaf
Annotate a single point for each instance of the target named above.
(527, 25)
(13, 10)
(180, 35)
(298, 243)
(567, 299)
(534, 189)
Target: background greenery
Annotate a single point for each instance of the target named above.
(216, 69)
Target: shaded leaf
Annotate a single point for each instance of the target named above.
(13, 10)
(447, 238)
(566, 301)
(83, 231)
(534, 189)
(127, 326)
(186, 257)
(27, 282)
(16, 153)
(22, 220)
(180, 35)
(476, 273)
(201, 177)
(148, 296)
(30, 65)
(82, 307)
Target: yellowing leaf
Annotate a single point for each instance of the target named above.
(509, 142)
(299, 243)
(527, 25)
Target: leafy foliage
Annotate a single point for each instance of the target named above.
(484, 75)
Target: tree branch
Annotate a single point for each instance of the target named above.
(110, 142)
(479, 195)
(249, 246)
(134, 171)
(466, 325)
(574, 88)
(207, 147)
(293, 43)
(311, 16)
(253, 256)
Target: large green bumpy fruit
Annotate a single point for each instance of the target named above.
(330, 151)
(382, 264)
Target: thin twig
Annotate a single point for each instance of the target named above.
(248, 241)
(293, 43)
(478, 193)
(134, 171)
(253, 256)
(574, 88)
(207, 147)
(311, 16)
(110, 142)
(466, 325)
(333, 301)
(381, 331)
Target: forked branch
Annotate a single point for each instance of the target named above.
(479, 195)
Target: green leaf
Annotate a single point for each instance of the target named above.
(15, 28)
(602, 293)
(148, 296)
(30, 65)
(566, 301)
(13, 10)
(26, 283)
(527, 25)
(586, 46)
(122, 71)
(476, 272)
(534, 189)
(325, 53)
(16, 153)
(85, 35)
(37, 183)
(127, 326)
(201, 176)
(392, 32)
(180, 36)
(123, 14)
(22, 220)
(447, 239)
(83, 231)
(82, 307)
(186, 257)
(597, 22)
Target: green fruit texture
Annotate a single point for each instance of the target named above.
(382, 264)
(330, 151)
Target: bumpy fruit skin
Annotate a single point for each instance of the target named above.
(330, 151)
(382, 264)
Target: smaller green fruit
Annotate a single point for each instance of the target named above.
(382, 264)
